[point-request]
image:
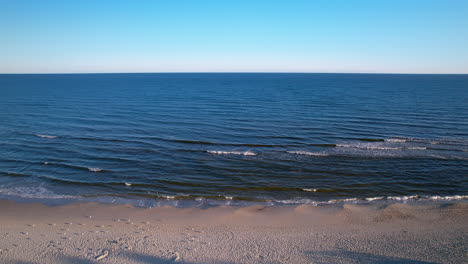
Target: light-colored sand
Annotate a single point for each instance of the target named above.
(96, 233)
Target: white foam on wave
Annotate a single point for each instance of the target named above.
(244, 153)
(314, 202)
(300, 152)
(298, 201)
(341, 200)
(449, 198)
(366, 146)
(94, 169)
(416, 197)
(404, 198)
(416, 148)
(310, 190)
(432, 141)
(377, 146)
(373, 199)
(395, 140)
(45, 136)
(432, 198)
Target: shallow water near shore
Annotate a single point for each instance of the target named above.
(238, 139)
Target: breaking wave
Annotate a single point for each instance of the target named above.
(409, 198)
(43, 193)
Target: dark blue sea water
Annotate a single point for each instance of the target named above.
(233, 138)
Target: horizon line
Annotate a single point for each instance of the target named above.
(229, 72)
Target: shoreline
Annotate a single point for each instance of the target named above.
(189, 201)
(346, 233)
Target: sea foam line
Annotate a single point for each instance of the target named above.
(432, 141)
(365, 147)
(244, 153)
(371, 199)
(395, 140)
(378, 147)
(309, 190)
(45, 136)
(300, 152)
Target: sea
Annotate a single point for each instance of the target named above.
(207, 139)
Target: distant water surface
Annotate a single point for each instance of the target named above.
(233, 138)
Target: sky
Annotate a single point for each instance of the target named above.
(361, 36)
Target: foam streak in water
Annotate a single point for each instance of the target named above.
(367, 146)
(244, 153)
(299, 152)
(45, 136)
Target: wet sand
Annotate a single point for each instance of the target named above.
(100, 233)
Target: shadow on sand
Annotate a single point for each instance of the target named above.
(318, 257)
(148, 259)
(127, 256)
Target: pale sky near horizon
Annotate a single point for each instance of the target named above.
(387, 36)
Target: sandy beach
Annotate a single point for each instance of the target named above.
(100, 233)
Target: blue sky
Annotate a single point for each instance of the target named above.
(390, 36)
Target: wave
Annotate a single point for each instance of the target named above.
(144, 140)
(432, 141)
(365, 147)
(416, 148)
(300, 152)
(310, 190)
(112, 184)
(244, 153)
(181, 200)
(409, 198)
(368, 146)
(45, 136)
(373, 147)
(395, 140)
(78, 167)
(419, 197)
(14, 174)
